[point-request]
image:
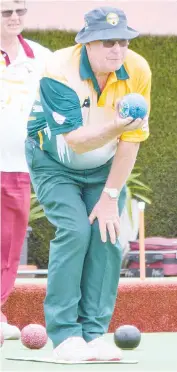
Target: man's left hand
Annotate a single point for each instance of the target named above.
(106, 211)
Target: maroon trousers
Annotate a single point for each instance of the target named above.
(15, 207)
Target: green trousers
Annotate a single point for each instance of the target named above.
(83, 272)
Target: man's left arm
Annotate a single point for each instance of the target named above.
(122, 165)
(106, 210)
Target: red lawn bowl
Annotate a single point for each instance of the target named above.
(34, 336)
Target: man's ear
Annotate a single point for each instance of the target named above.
(87, 45)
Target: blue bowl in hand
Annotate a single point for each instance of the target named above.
(134, 105)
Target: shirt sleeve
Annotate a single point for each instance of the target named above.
(144, 88)
(61, 106)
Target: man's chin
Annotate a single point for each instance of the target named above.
(14, 31)
(114, 66)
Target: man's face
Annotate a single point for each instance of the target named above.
(12, 16)
(108, 55)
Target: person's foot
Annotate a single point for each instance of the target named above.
(103, 350)
(73, 349)
(10, 332)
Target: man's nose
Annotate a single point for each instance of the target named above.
(116, 48)
(14, 16)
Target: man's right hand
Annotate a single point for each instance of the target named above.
(129, 124)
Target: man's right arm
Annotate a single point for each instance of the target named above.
(63, 114)
(88, 138)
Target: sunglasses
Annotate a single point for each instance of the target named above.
(110, 43)
(8, 13)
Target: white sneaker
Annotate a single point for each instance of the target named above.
(73, 349)
(9, 331)
(102, 350)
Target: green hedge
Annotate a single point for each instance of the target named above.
(157, 157)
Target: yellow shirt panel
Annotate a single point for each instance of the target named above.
(140, 82)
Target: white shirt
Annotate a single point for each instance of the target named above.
(18, 86)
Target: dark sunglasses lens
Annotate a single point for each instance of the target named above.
(123, 43)
(6, 13)
(108, 43)
(21, 12)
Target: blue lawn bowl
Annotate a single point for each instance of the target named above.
(133, 105)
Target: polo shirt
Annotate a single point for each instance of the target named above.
(69, 97)
(19, 82)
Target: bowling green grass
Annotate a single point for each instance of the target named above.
(156, 352)
(157, 157)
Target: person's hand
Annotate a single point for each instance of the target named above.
(128, 124)
(106, 211)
